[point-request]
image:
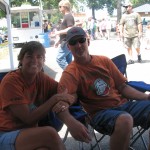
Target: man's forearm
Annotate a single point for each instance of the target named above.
(131, 93)
(140, 28)
(65, 117)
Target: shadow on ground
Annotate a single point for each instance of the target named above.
(72, 144)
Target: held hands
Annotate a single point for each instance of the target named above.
(60, 106)
(62, 101)
(68, 98)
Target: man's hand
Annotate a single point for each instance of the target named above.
(56, 44)
(79, 131)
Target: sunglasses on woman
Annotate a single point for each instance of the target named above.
(74, 42)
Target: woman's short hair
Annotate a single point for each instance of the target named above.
(30, 48)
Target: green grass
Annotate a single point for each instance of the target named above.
(4, 44)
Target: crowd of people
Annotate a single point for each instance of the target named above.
(102, 28)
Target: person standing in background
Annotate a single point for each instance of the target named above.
(102, 27)
(131, 30)
(93, 28)
(108, 28)
(64, 56)
(45, 26)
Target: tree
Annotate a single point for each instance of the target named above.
(2, 14)
(119, 12)
(140, 2)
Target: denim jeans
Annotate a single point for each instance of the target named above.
(64, 56)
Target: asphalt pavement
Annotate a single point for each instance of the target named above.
(110, 48)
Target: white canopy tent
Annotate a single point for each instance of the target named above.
(4, 6)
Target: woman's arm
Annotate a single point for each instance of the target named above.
(23, 112)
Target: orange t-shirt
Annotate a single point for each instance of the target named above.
(95, 83)
(15, 91)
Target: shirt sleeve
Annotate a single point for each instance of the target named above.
(139, 18)
(68, 82)
(11, 92)
(117, 76)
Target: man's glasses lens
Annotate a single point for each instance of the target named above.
(74, 42)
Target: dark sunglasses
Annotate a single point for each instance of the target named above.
(74, 42)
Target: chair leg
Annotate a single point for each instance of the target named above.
(137, 135)
(81, 146)
(97, 141)
(66, 135)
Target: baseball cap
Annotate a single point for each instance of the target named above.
(75, 31)
(127, 4)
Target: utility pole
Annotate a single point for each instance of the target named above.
(119, 12)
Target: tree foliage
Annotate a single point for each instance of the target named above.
(92, 4)
(137, 3)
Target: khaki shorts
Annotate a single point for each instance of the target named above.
(134, 41)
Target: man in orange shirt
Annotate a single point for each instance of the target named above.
(103, 92)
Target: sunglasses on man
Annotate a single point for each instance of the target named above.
(79, 40)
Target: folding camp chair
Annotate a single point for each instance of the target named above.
(120, 62)
(2, 74)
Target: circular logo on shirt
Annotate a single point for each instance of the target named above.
(101, 87)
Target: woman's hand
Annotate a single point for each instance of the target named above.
(60, 106)
(63, 97)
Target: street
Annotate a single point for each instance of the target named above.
(111, 48)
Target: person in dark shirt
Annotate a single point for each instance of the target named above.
(64, 56)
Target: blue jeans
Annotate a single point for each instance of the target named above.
(104, 121)
(8, 139)
(64, 56)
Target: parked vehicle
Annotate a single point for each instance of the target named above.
(26, 23)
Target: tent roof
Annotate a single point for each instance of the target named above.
(142, 8)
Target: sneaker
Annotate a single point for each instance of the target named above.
(130, 62)
(139, 59)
